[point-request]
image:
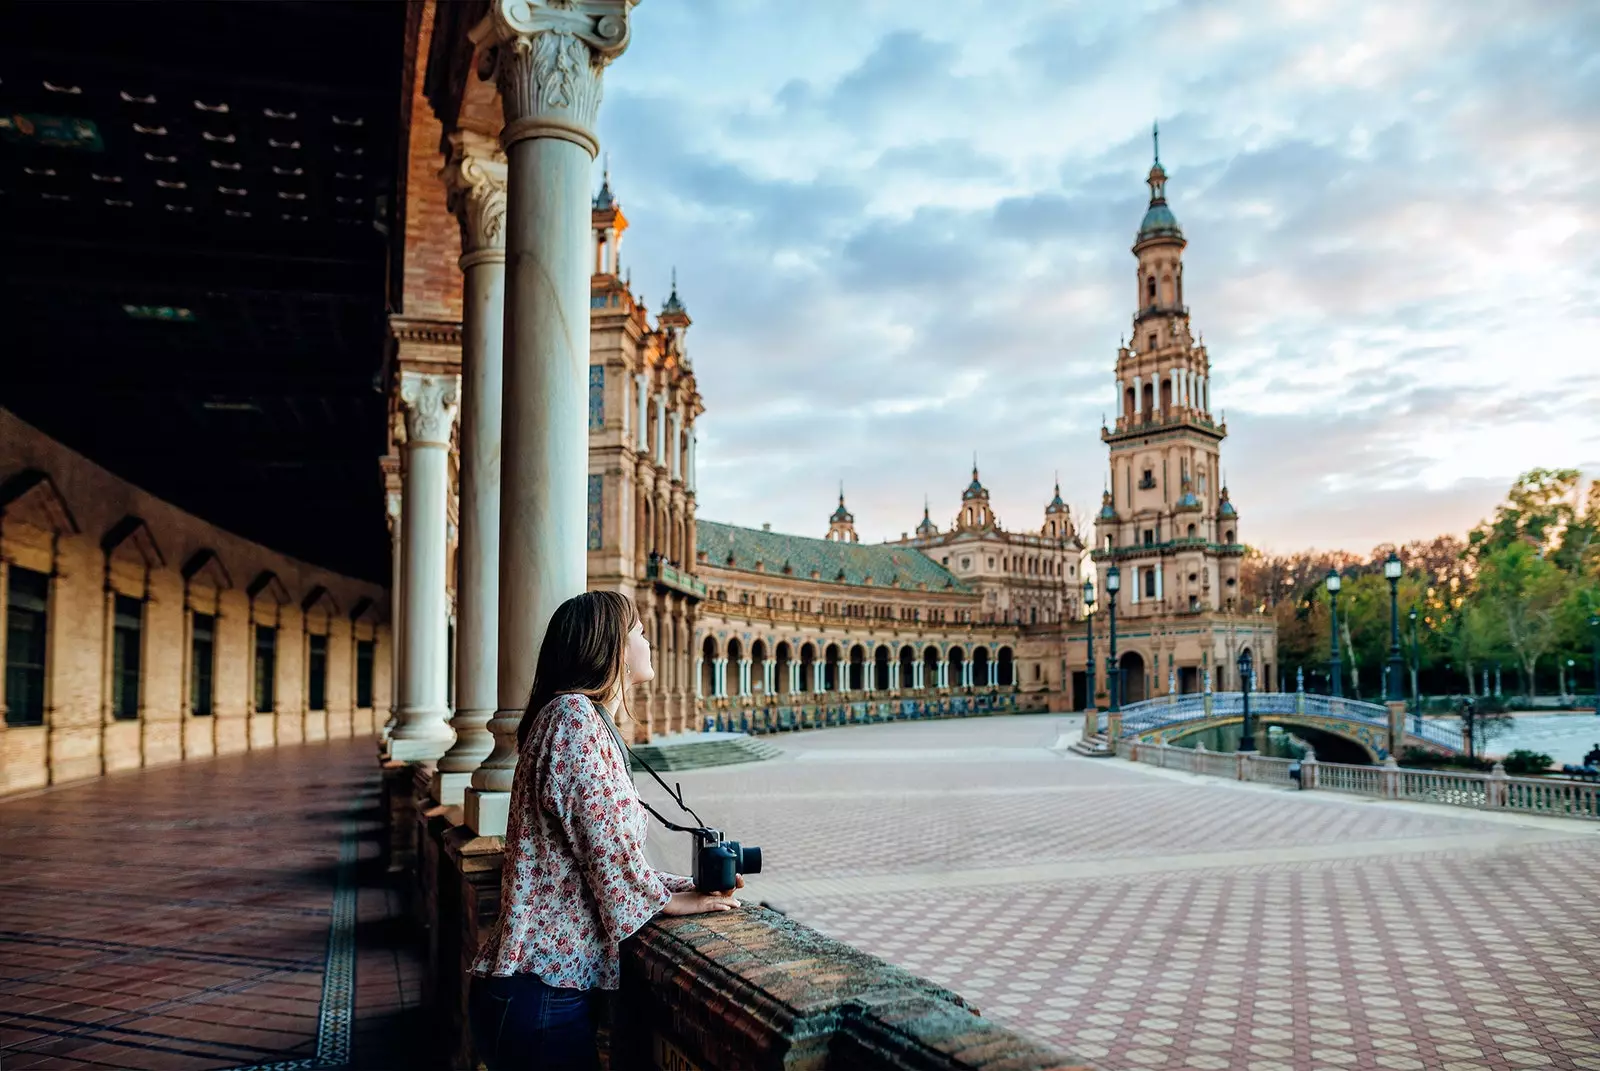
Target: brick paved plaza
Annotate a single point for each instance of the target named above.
(181, 917)
(1148, 919)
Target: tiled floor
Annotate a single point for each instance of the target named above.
(1148, 919)
(180, 918)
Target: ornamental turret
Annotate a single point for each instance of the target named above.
(975, 511)
(842, 524)
(1057, 518)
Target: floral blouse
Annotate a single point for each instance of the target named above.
(576, 882)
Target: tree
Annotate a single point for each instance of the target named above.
(1524, 592)
(1579, 552)
(1538, 509)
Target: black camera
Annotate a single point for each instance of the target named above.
(717, 861)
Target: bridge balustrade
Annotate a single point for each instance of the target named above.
(1357, 780)
(1491, 791)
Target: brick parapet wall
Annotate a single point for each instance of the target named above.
(748, 989)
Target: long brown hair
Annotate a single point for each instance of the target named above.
(583, 652)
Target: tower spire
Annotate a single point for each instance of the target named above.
(1155, 136)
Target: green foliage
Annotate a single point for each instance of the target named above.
(1422, 758)
(1519, 591)
(1522, 762)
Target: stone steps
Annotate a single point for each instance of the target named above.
(694, 755)
(1092, 747)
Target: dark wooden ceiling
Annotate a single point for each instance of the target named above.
(196, 201)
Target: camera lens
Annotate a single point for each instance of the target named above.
(750, 861)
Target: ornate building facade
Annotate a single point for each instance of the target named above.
(747, 623)
(642, 408)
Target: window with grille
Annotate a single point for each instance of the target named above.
(364, 654)
(202, 654)
(27, 627)
(317, 673)
(127, 623)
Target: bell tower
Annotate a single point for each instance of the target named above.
(1159, 522)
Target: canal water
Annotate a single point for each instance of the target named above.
(1564, 737)
(1270, 740)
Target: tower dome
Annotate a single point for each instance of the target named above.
(975, 489)
(1158, 222)
(927, 527)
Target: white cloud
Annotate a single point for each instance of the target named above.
(903, 233)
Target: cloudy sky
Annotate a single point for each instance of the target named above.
(903, 232)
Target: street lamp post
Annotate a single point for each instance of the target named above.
(1114, 671)
(1392, 568)
(1333, 631)
(1594, 632)
(1088, 620)
(1247, 742)
(1416, 670)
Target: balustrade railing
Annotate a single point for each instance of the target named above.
(1576, 799)
(1491, 791)
(1360, 780)
(1442, 786)
(1150, 714)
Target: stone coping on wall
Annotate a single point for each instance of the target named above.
(753, 989)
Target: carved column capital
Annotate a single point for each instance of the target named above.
(475, 179)
(548, 58)
(430, 407)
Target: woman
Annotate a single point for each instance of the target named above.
(576, 882)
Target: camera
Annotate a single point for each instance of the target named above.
(718, 861)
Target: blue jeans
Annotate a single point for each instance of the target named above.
(520, 1022)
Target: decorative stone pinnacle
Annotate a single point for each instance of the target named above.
(430, 406)
(548, 59)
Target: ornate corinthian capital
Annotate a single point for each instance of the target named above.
(548, 58)
(475, 178)
(430, 403)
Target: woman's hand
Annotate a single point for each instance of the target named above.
(699, 903)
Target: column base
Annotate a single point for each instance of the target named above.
(486, 813)
(418, 750)
(449, 788)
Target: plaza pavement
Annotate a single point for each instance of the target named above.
(180, 917)
(1143, 918)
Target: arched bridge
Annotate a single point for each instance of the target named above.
(1331, 725)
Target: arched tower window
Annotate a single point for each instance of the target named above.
(1150, 290)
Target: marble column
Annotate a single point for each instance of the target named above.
(423, 731)
(476, 180)
(674, 424)
(688, 476)
(642, 433)
(661, 428)
(397, 618)
(548, 61)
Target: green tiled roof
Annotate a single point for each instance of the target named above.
(885, 563)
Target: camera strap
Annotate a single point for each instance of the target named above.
(675, 791)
